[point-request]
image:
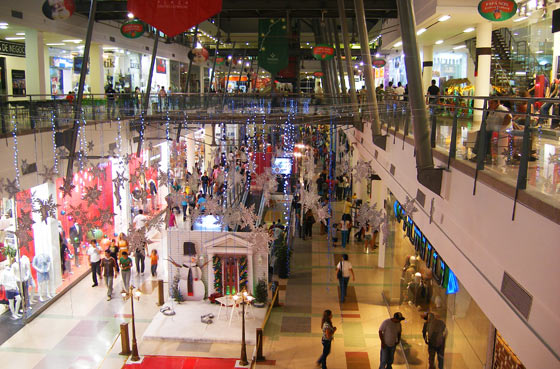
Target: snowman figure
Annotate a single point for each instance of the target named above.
(191, 286)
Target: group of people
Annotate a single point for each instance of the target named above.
(110, 257)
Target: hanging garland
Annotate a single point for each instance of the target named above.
(243, 273)
(217, 265)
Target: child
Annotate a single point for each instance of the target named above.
(154, 261)
(334, 231)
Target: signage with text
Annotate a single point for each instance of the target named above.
(442, 274)
(12, 48)
(497, 10)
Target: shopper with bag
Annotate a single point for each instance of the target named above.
(343, 271)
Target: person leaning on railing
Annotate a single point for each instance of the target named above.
(498, 119)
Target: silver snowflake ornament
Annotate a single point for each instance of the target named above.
(323, 214)
(89, 146)
(163, 178)
(48, 174)
(92, 195)
(97, 171)
(61, 152)
(46, 208)
(11, 188)
(362, 170)
(409, 207)
(66, 187)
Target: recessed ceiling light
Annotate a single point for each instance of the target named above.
(520, 19)
(76, 41)
(20, 34)
(443, 18)
(470, 29)
(439, 42)
(459, 47)
(539, 52)
(55, 44)
(420, 31)
(130, 15)
(3, 26)
(14, 38)
(398, 44)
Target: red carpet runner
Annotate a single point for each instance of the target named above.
(182, 362)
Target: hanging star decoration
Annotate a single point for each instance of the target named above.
(24, 225)
(322, 213)
(119, 180)
(409, 207)
(163, 178)
(24, 166)
(61, 152)
(97, 171)
(66, 187)
(155, 165)
(46, 208)
(11, 188)
(89, 146)
(92, 195)
(49, 174)
(554, 158)
(362, 170)
(126, 159)
(117, 194)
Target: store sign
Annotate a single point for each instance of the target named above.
(497, 10)
(173, 17)
(379, 63)
(318, 74)
(442, 274)
(323, 52)
(12, 49)
(132, 29)
(220, 60)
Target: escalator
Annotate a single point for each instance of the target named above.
(253, 198)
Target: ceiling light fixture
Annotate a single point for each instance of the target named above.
(76, 41)
(520, 19)
(459, 47)
(439, 42)
(443, 18)
(3, 27)
(420, 31)
(14, 38)
(130, 15)
(398, 44)
(470, 29)
(20, 34)
(55, 44)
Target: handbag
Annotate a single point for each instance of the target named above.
(339, 272)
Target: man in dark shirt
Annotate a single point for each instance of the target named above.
(111, 104)
(204, 179)
(433, 92)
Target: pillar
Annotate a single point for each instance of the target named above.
(427, 65)
(122, 217)
(202, 80)
(96, 72)
(210, 270)
(35, 68)
(482, 68)
(250, 274)
(378, 195)
(208, 138)
(190, 151)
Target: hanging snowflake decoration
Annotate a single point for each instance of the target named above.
(11, 188)
(126, 159)
(97, 171)
(195, 215)
(119, 180)
(163, 178)
(89, 146)
(155, 165)
(213, 207)
(174, 199)
(409, 207)
(61, 152)
(362, 170)
(228, 218)
(46, 208)
(78, 213)
(343, 168)
(193, 183)
(261, 238)
(25, 221)
(49, 174)
(323, 214)
(384, 227)
(309, 199)
(117, 194)
(247, 217)
(92, 195)
(66, 187)
(105, 218)
(252, 166)
(137, 238)
(2, 186)
(554, 158)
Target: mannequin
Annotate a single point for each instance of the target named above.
(413, 289)
(75, 239)
(8, 280)
(42, 264)
(22, 271)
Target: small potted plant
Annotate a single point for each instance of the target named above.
(261, 294)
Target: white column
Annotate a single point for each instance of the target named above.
(482, 78)
(250, 273)
(96, 71)
(35, 67)
(202, 79)
(207, 147)
(378, 195)
(555, 54)
(210, 270)
(122, 216)
(190, 151)
(427, 65)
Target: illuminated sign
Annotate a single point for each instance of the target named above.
(442, 274)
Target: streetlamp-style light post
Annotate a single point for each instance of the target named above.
(132, 295)
(245, 299)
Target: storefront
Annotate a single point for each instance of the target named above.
(417, 280)
(122, 69)
(12, 69)
(64, 71)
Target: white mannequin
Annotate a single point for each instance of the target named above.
(42, 264)
(8, 280)
(22, 271)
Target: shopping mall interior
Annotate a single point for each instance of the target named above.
(279, 184)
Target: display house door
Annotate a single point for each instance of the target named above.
(230, 274)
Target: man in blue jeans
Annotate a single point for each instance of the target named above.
(390, 335)
(346, 269)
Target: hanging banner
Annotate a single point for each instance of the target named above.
(318, 74)
(132, 29)
(497, 10)
(58, 9)
(199, 55)
(173, 17)
(379, 63)
(323, 52)
(220, 60)
(273, 45)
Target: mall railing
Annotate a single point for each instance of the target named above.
(45, 111)
(525, 155)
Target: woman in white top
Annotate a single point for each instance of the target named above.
(368, 238)
(346, 269)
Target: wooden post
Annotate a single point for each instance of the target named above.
(125, 342)
(260, 356)
(160, 292)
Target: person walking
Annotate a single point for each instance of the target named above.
(368, 238)
(109, 271)
(344, 232)
(94, 256)
(434, 333)
(390, 336)
(328, 332)
(343, 271)
(126, 266)
(154, 262)
(139, 257)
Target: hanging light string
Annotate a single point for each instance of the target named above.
(53, 135)
(16, 151)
